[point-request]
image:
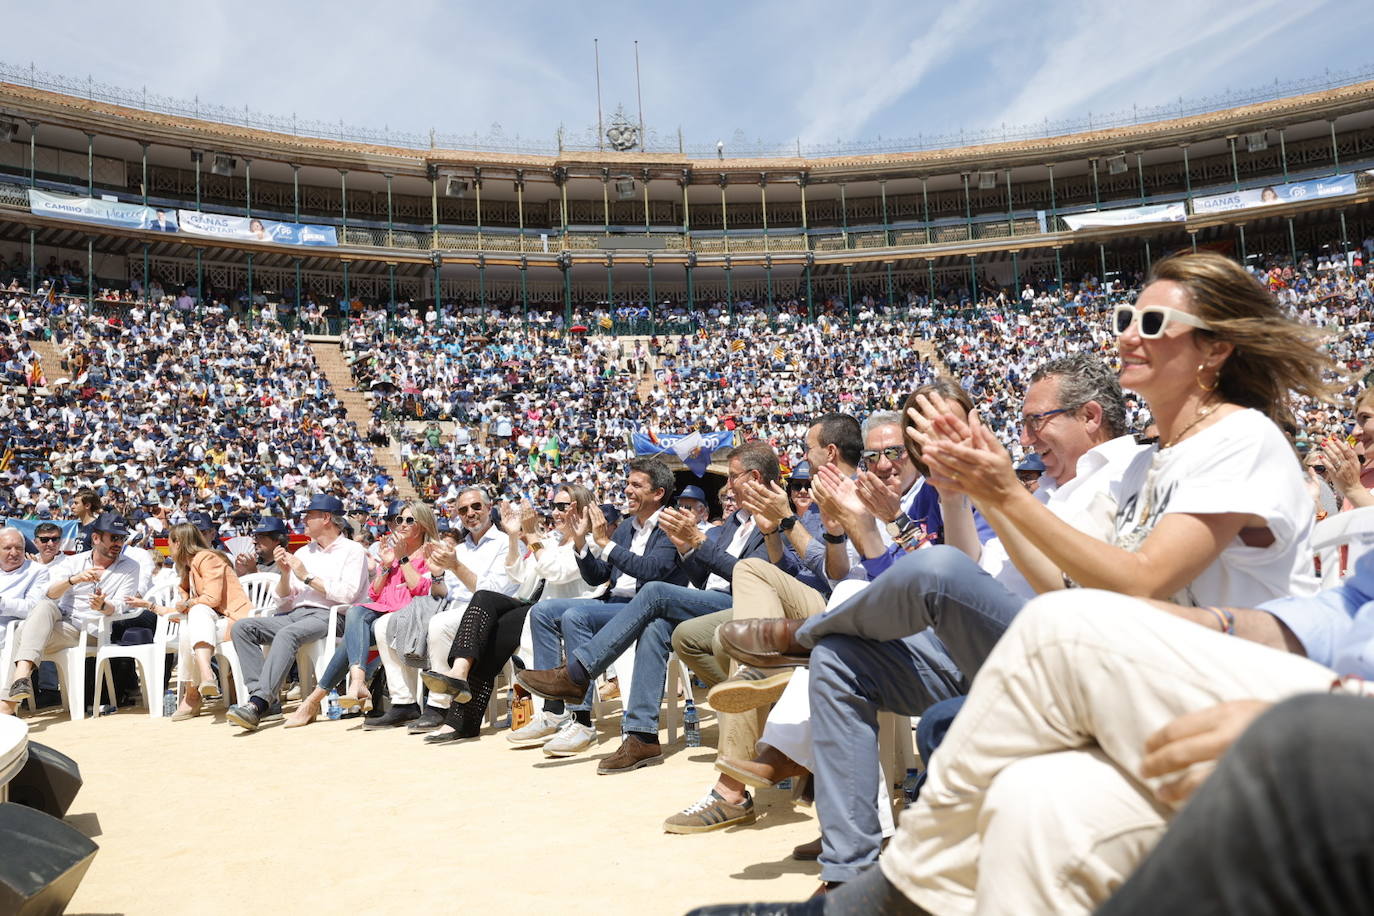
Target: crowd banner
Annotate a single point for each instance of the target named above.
(252, 229)
(1296, 192)
(1127, 216)
(104, 212)
(71, 530)
(694, 449)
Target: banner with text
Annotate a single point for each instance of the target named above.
(104, 212)
(1127, 216)
(693, 449)
(252, 229)
(1275, 194)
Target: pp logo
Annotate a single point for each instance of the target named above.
(1296, 192)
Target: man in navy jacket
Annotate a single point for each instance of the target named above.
(638, 553)
(708, 559)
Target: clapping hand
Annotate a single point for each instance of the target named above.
(388, 552)
(511, 519)
(443, 554)
(877, 497)
(1188, 748)
(681, 528)
(1342, 463)
(596, 521)
(579, 526)
(838, 498)
(980, 467)
(767, 504)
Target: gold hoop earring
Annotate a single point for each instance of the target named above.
(1216, 379)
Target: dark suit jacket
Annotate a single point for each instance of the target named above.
(714, 556)
(658, 564)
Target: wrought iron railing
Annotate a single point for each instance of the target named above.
(739, 146)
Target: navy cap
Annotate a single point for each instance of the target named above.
(271, 525)
(323, 502)
(612, 514)
(395, 508)
(801, 472)
(1032, 462)
(692, 492)
(201, 520)
(111, 523)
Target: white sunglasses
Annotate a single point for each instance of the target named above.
(1152, 320)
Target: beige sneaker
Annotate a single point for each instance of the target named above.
(711, 813)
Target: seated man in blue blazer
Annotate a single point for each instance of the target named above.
(709, 560)
(639, 552)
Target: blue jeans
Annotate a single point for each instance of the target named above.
(651, 617)
(916, 636)
(357, 639)
(555, 621)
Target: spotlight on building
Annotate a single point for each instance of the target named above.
(456, 187)
(1256, 142)
(1116, 165)
(222, 165)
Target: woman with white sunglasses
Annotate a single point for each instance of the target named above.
(1216, 512)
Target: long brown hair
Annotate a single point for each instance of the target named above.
(1274, 356)
(184, 541)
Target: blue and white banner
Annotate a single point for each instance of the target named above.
(104, 212)
(694, 449)
(252, 229)
(1275, 194)
(1127, 216)
(71, 531)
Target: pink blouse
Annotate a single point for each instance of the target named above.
(395, 594)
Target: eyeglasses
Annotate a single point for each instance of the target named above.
(894, 453)
(474, 507)
(401, 520)
(562, 507)
(51, 539)
(1152, 319)
(117, 539)
(799, 485)
(1034, 422)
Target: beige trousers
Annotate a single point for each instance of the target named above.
(1032, 803)
(43, 632)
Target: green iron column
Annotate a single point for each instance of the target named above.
(520, 204)
(200, 279)
(968, 209)
(197, 158)
(653, 300)
(391, 289)
(768, 276)
(684, 181)
(849, 289)
(343, 205)
(1011, 220)
(565, 265)
(250, 285)
(1015, 278)
(296, 192)
(844, 216)
(1292, 242)
(1188, 178)
(298, 290)
(477, 186)
(887, 235)
(432, 173)
(810, 300)
(33, 152)
(482, 289)
(90, 273)
(1054, 202)
(1335, 150)
(729, 290)
(90, 165)
(1240, 235)
(437, 261)
(390, 219)
(724, 213)
(890, 300)
(610, 284)
(248, 188)
(33, 261)
(1283, 154)
(763, 199)
(687, 266)
(524, 290)
(1235, 166)
(925, 209)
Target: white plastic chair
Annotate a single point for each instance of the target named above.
(1353, 530)
(151, 659)
(314, 656)
(678, 676)
(261, 589)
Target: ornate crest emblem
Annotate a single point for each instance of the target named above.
(622, 135)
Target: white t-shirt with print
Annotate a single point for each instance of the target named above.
(1241, 463)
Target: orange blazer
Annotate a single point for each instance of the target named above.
(214, 583)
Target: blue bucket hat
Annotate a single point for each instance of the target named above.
(323, 502)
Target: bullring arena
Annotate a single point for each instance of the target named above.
(617, 437)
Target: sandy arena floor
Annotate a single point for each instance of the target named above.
(199, 817)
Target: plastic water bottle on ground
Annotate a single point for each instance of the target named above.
(691, 725)
(332, 709)
(169, 702)
(911, 785)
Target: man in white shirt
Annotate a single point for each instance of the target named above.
(23, 581)
(476, 563)
(330, 570)
(84, 591)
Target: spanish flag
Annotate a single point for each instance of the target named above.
(736, 346)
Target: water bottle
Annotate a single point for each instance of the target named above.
(785, 785)
(108, 709)
(169, 702)
(332, 709)
(691, 725)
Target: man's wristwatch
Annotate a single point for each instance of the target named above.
(834, 538)
(788, 523)
(900, 526)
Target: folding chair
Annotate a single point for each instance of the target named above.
(150, 659)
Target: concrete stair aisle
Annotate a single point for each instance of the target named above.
(334, 365)
(50, 358)
(928, 353)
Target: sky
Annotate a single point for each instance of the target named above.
(772, 72)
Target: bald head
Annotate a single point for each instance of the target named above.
(11, 549)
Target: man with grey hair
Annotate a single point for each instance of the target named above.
(23, 581)
(872, 652)
(476, 563)
(330, 570)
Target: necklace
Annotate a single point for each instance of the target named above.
(1202, 414)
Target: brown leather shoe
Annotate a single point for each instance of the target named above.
(552, 684)
(764, 642)
(632, 754)
(763, 772)
(808, 852)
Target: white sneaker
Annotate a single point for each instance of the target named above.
(573, 738)
(538, 730)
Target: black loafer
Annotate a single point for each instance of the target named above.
(448, 737)
(22, 689)
(245, 716)
(399, 714)
(455, 687)
(431, 719)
